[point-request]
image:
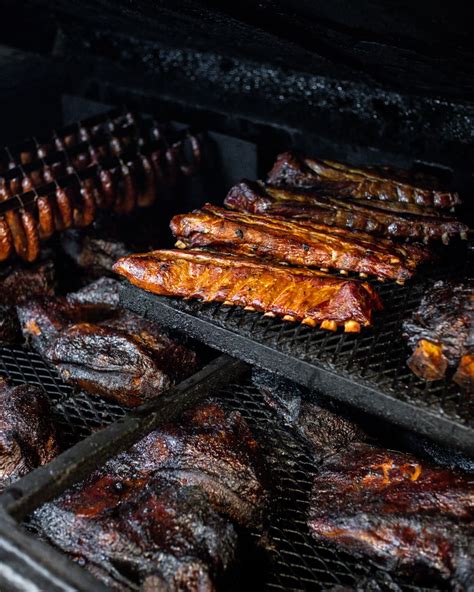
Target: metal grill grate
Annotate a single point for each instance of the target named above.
(368, 370)
(76, 414)
(299, 564)
(296, 562)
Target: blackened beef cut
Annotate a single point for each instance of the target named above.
(405, 514)
(168, 538)
(441, 333)
(163, 513)
(102, 348)
(18, 285)
(325, 431)
(27, 433)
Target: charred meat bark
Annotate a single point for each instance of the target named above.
(357, 182)
(169, 538)
(43, 319)
(163, 512)
(387, 219)
(324, 430)
(125, 359)
(92, 254)
(441, 334)
(406, 514)
(103, 349)
(297, 242)
(27, 434)
(17, 285)
(296, 294)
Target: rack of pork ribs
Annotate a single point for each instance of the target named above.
(113, 162)
(375, 201)
(271, 248)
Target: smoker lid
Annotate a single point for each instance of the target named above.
(415, 47)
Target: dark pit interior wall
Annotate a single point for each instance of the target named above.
(30, 94)
(389, 82)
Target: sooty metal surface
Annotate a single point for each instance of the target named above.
(76, 414)
(367, 370)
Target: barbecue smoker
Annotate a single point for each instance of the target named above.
(322, 461)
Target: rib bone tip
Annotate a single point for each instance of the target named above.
(362, 275)
(463, 235)
(289, 318)
(270, 315)
(329, 325)
(180, 245)
(352, 327)
(249, 308)
(308, 321)
(343, 272)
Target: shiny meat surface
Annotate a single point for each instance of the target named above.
(318, 206)
(362, 183)
(163, 513)
(27, 434)
(406, 514)
(293, 293)
(297, 242)
(103, 349)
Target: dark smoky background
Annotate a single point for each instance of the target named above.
(381, 82)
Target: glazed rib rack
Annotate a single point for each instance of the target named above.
(295, 562)
(367, 370)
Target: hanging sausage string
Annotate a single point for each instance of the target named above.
(112, 163)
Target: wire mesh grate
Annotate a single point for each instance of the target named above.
(375, 359)
(296, 562)
(76, 414)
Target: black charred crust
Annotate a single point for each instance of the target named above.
(382, 496)
(103, 349)
(17, 285)
(444, 316)
(166, 510)
(27, 433)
